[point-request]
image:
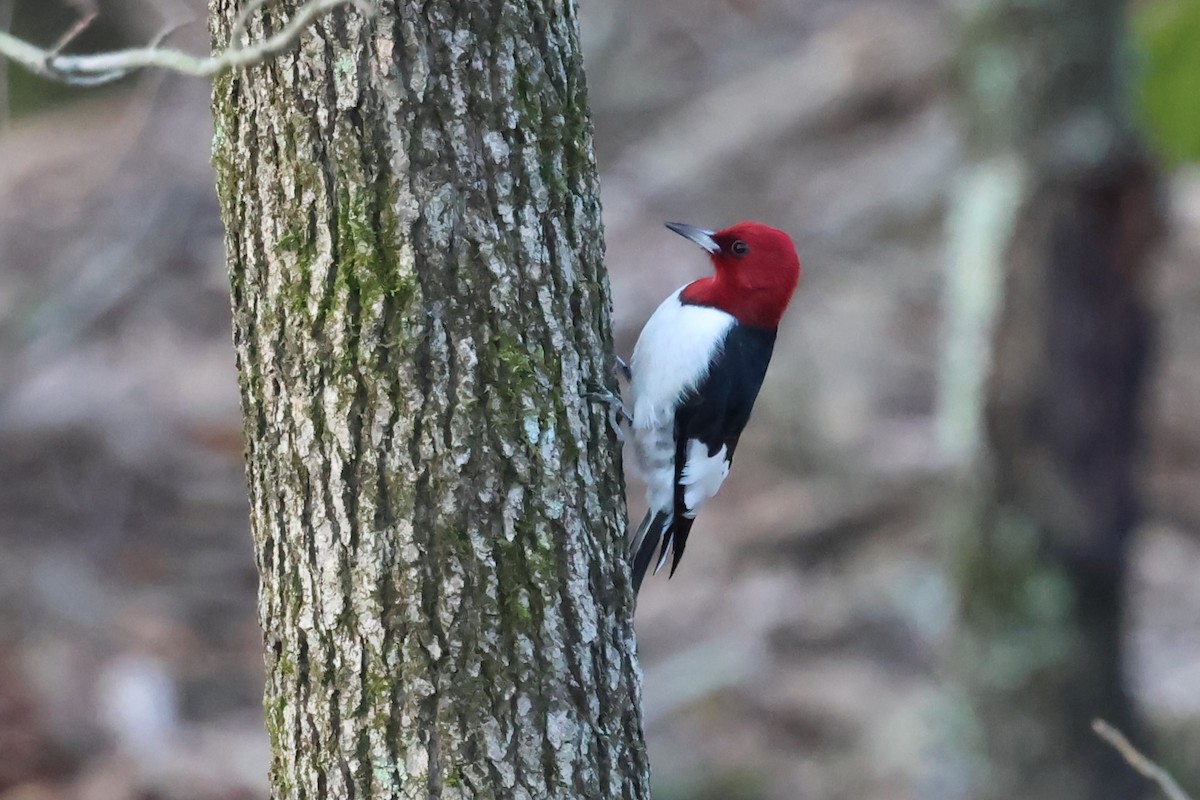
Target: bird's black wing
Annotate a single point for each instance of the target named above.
(715, 413)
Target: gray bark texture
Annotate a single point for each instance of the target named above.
(1041, 565)
(419, 301)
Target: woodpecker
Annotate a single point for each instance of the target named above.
(695, 374)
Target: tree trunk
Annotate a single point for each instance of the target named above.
(414, 245)
(1061, 205)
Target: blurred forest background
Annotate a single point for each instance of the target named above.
(801, 651)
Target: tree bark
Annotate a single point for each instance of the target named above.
(1062, 208)
(414, 247)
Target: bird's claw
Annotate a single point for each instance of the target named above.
(616, 410)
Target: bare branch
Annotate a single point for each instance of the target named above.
(96, 68)
(109, 77)
(1139, 762)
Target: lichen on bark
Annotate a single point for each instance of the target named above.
(420, 305)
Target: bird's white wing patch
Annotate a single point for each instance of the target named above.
(672, 355)
(702, 475)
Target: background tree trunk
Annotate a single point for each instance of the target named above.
(415, 249)
(1051, 236)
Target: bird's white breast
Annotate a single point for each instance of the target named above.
(672, 356)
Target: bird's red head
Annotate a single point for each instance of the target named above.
(757, 271)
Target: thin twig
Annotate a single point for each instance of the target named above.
(1142, 765)
(86, 18)
(87, 70)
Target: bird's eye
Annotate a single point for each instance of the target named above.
(740, 248)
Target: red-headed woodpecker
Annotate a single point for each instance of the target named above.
(696, 371)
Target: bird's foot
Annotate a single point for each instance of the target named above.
(616, 410)
(614, 402)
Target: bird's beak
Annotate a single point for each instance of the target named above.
(698, 235)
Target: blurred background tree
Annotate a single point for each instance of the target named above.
(1052, 241)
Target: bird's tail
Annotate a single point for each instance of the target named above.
(646, 540)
